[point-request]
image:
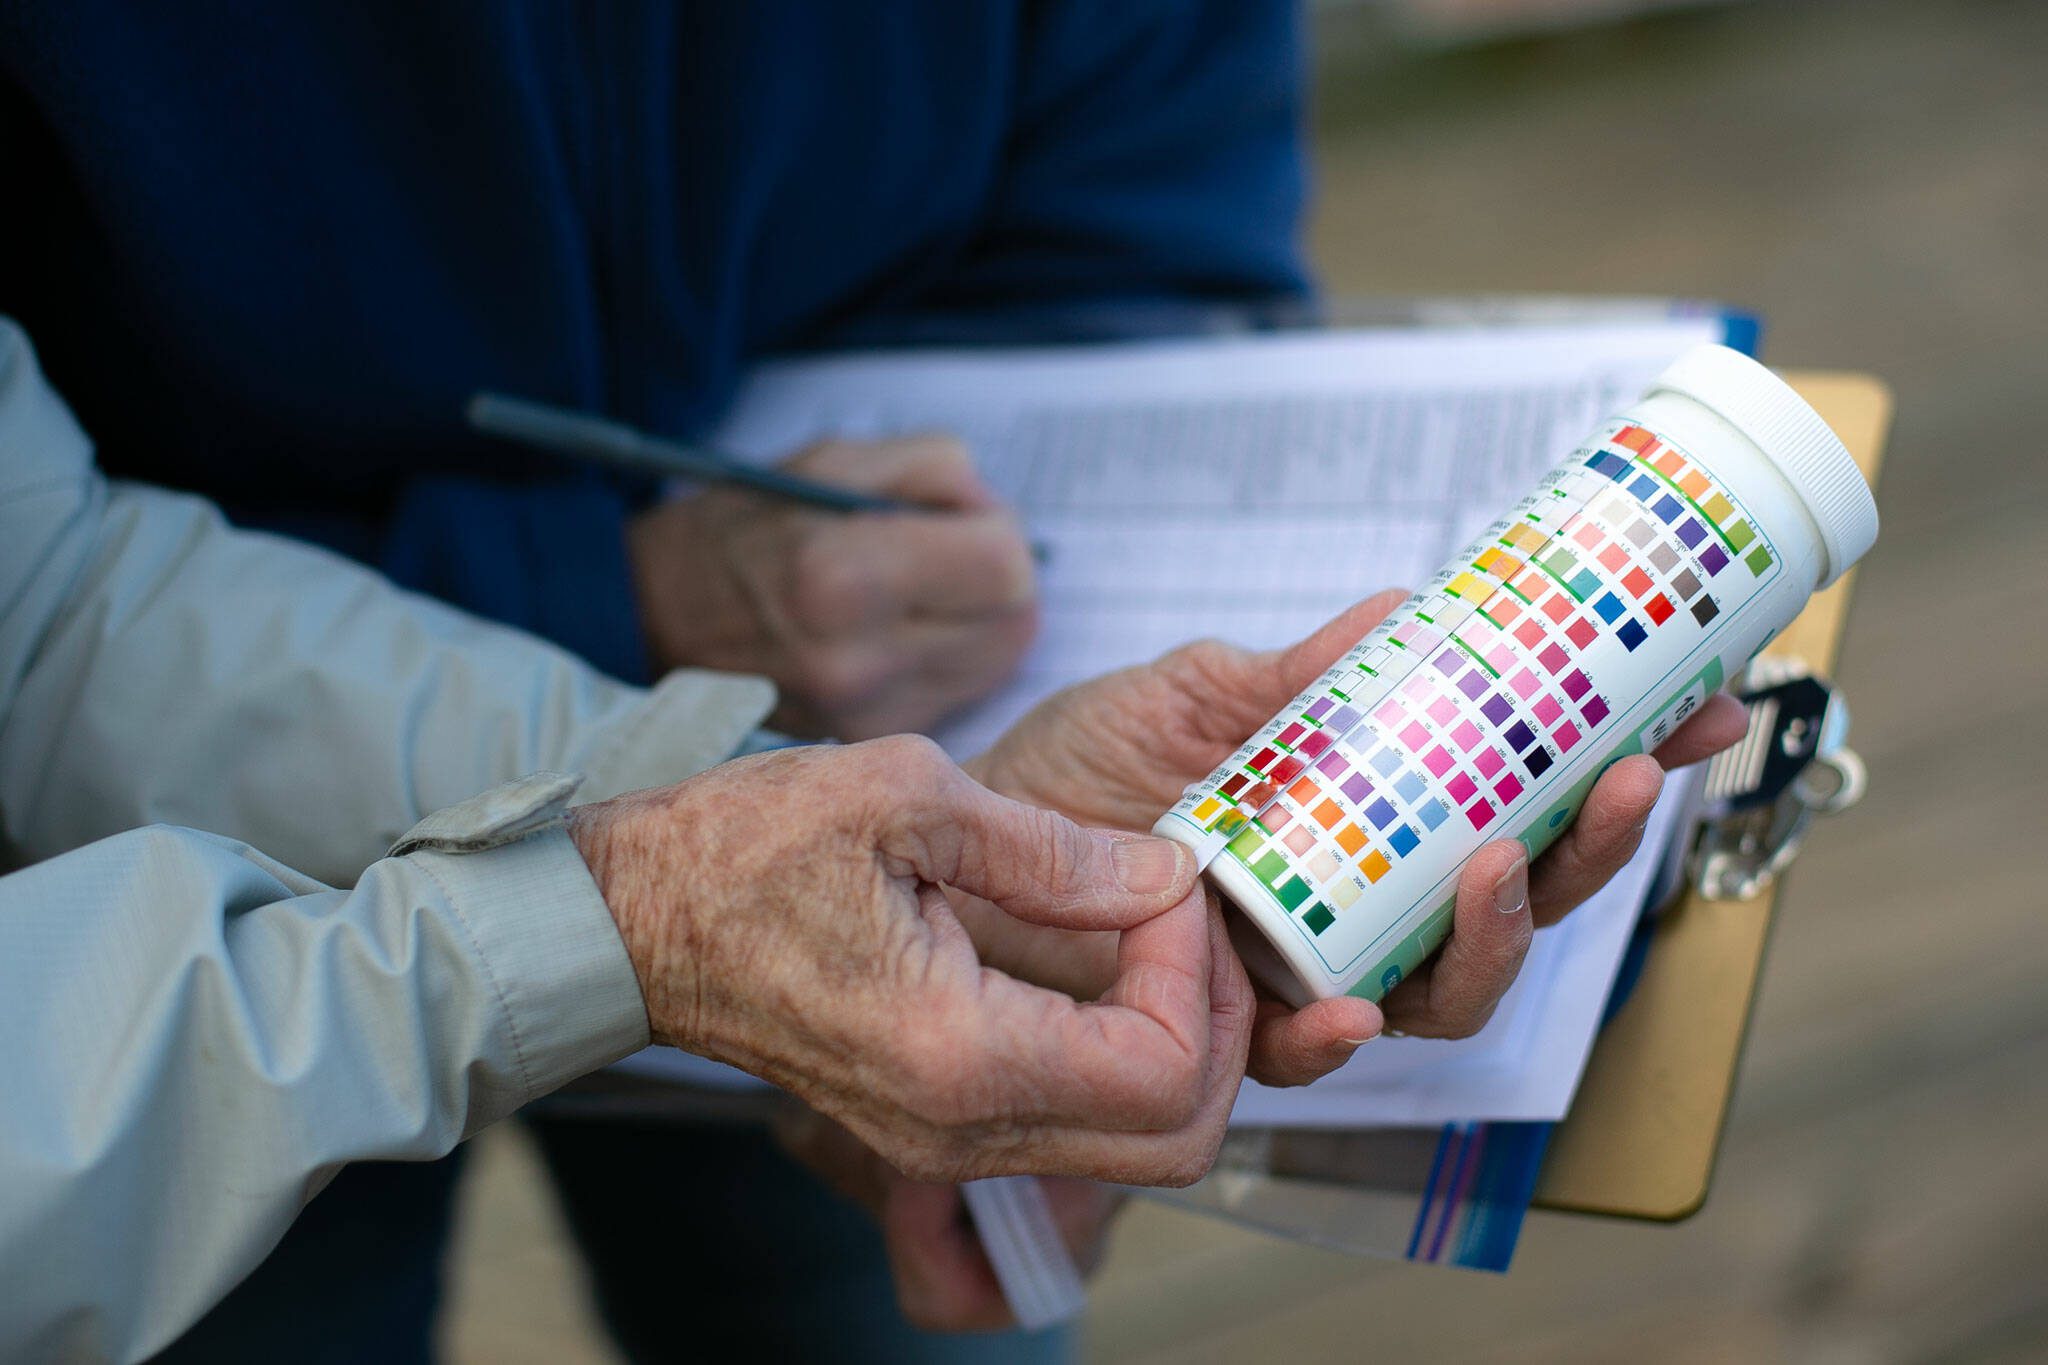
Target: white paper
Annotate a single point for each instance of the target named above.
(1164, 478)
(1013, 1218)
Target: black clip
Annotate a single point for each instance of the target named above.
(1762, 795)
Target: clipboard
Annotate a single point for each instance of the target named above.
(1646, 1125)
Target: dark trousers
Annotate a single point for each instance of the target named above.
(704, 1243)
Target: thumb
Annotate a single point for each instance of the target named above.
(1042, 867)
(1297, 665)
(925, 468)
(933, 468)
(1242, 689)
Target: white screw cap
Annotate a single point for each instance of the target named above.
(1792, 436)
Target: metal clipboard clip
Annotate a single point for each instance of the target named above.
(1762, 795)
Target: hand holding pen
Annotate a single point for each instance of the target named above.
(879, 583)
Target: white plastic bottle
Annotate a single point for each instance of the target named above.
(1582, 627)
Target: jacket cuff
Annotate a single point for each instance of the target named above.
(566, 994)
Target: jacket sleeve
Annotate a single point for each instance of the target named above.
(198, 1037)
(159, 666)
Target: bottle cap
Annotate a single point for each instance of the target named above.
(1792, 436)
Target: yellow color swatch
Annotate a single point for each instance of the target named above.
(1375, 867)
(1207, 809)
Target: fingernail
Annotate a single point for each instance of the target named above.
(1511, 892)
(1354, 1042)
(1148, 866)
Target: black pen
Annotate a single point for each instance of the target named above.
(603, 441)
(606, 442)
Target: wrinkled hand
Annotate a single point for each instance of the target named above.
(944, 1282)
(869, 623)
(785, 914)
(1117, 751)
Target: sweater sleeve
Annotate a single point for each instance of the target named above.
(548, 557)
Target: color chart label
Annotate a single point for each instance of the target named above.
(1461, 716)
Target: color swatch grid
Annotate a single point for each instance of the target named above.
(1456, 706)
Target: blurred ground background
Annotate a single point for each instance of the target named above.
(1874, 178)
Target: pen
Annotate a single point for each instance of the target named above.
(606, 442)
(603, 441)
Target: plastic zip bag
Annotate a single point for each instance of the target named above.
(1455, 1195)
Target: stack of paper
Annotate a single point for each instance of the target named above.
(1250, 488)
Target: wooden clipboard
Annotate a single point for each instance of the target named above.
(1643, 1132)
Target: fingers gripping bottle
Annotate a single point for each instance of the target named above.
(1583, 626)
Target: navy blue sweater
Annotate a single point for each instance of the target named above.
(267, 250)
